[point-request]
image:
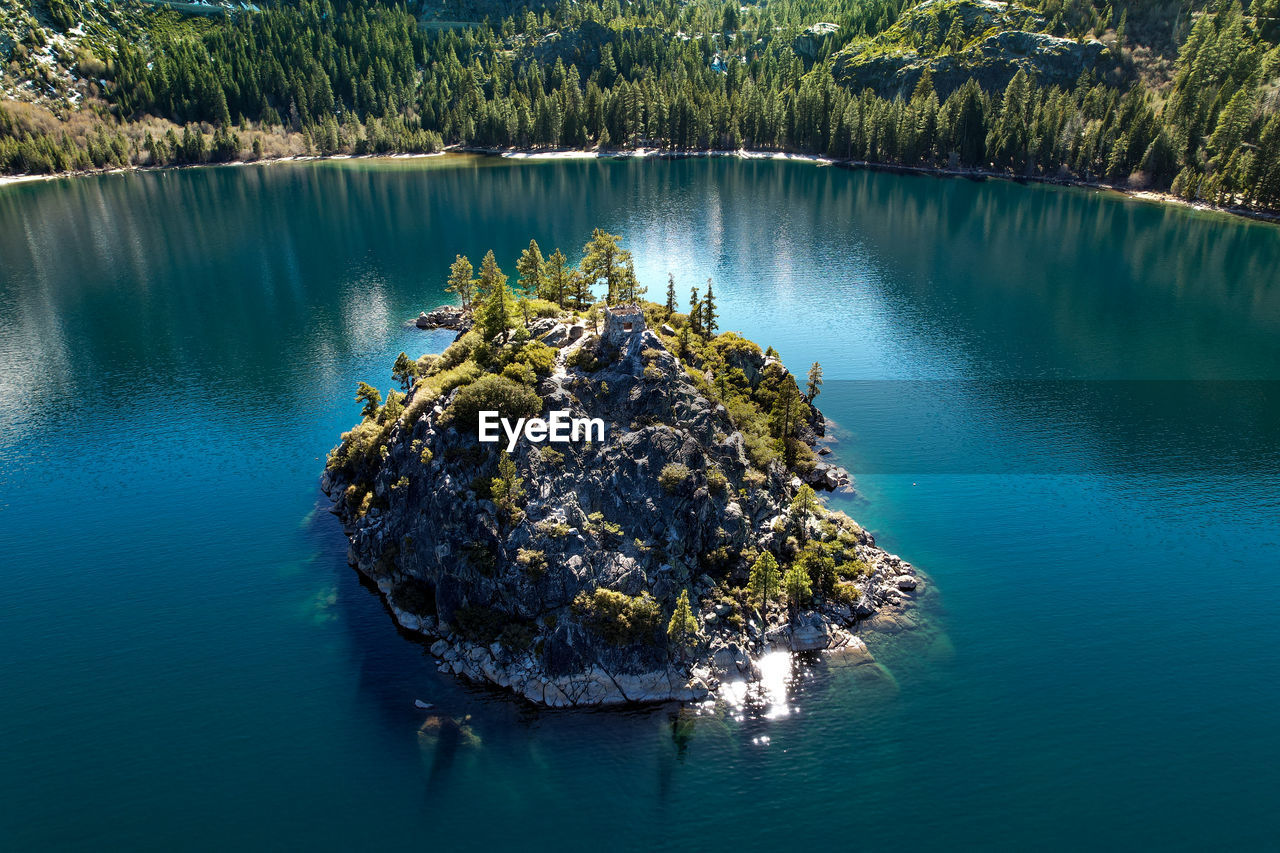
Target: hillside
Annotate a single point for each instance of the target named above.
(1075, 92)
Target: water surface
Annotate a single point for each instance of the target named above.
(1058, 403)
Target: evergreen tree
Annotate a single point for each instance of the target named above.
(405, 371)
(709, 312)
(370, 397)
(497, 309)
(508, 491)
(531, 268)
(580, 289)
(695, 312)
(785, 419)
(683, 627)
(671, 294)
(604, 261)
(763, 583)
(797, 587)
(814, 385)
(461, 282)
(557, 278)
(803, 507)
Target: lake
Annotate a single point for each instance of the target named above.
(1060, 404)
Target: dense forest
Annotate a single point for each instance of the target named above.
(361, 76)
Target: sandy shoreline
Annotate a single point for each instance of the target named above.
(655, 153)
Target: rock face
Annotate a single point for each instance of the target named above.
(668, 501)
(991, 42)
(444, 317)
(814, 39)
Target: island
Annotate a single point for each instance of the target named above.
(653, 555)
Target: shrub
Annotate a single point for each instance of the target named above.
(520, 372)
(478, 623)
(414, 596)
(820, 567)
(607, 532)
(553, 528)
(458, 351)
(541, 308)
(538, 356)
(618, 618)
(517, 635)
(853, 569)
(493, 393)
(846, 593)
(583, 359)
(761, 450)
(533, 561)
(673, 476)
(434, 387)
(717, 482)
(551, 456)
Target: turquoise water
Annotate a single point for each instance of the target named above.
(1059, 404)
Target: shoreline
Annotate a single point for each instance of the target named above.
(540, 154)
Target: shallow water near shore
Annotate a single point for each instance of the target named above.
(1058, 403)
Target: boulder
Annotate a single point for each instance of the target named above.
(444, 317)
(809, 632)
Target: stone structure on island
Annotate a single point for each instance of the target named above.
(621, 322)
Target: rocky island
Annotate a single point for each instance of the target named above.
(650, 565)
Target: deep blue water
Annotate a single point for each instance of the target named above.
(1061, 405)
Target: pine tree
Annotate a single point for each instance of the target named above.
(372, 399)
(785, 417)
(508, 491)
(709, 312)
(557, 278)
(814, 385)
(683, 627)
(763, 582)
(671, 294)
(460, 281)
(797, 586)
(695, 311)
(629, 289)
(532, 270)
(604, 261)
(498, 305)
(580, 289)
(404, 371)
(803, 506)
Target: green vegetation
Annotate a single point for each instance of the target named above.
(617, 618)
(814, 386)
(360, 76)
(764, 582)
(682, 630)
(534, 562)
(673, 476)
(493, 393)
(508, 491)
(498, 366)
(797, 587)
